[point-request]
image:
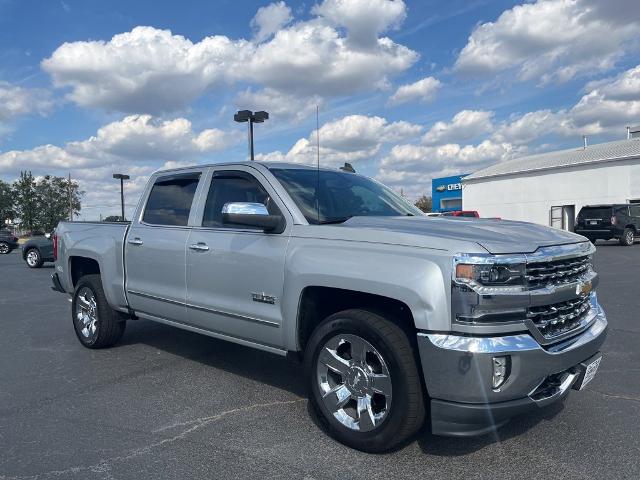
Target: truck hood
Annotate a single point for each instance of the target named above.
(496, 236)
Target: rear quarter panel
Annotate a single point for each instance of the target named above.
(102, 242)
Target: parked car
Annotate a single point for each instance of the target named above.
(619, 221)
(395, 316)
(462, 213)
(8, 242)
(38, 250)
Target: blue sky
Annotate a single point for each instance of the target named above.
(407, 91)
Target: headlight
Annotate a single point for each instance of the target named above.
(480, 271)
(475, 277)
(490, 275)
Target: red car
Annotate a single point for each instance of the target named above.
(461, 213)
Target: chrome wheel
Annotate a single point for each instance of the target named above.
(354, 382)
(32, 258)
(86, 313)
(4, 248)
(629, 238)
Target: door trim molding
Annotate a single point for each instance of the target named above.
(206, 309)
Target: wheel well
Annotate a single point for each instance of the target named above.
(81, 266)
(632, 227)
(317, 303)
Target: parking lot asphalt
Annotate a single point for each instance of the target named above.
(167, 403)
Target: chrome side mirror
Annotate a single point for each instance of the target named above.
(245, 208)
(253, 215)
(47, 235)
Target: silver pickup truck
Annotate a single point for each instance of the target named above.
(398, 317)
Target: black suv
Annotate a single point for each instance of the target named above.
(621, 221)
(8, 242)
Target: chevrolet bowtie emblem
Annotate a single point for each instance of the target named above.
(584, 288)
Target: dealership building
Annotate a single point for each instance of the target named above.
(446, 193)
(551, 188)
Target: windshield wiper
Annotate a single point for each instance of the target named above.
(335, 220)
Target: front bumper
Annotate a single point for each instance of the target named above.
(458, 372)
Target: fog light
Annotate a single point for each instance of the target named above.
(500, 371)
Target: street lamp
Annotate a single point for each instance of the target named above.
(251, 117)
(122, 177)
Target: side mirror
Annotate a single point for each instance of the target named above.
(253, 215)
(47, 235)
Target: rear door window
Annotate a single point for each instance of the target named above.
(170, 200)
(596, 213)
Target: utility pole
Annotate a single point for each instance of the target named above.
(70, 199)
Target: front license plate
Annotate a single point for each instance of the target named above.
(590, 372)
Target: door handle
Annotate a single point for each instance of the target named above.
(135, 241)
(201, 247)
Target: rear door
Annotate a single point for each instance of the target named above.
(235, 275)
(155, 247)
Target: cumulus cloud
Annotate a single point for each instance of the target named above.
(364, 20)
(268, 20)
(150, 70)
(280, 105)
(135, 139)
(423, 91)
(351, 138)
(411, 167)
(466, 125)
(16, 101)
(553, 40)
(135, 145)
(606, 108)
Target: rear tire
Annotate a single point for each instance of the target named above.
(96, 324)
(627, 237)
(349, 404)
(33, 258)
(4, 248)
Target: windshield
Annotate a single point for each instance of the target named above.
(342, 195)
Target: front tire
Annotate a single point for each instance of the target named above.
(363, 381)
(33, 258)
(627, 237)
(4, 248)
(96, 324)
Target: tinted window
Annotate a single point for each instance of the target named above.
(596, 212)
(227, 187)
(170, 200)
(340, 196)
(635, 210)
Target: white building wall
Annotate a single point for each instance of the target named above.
(530, 196)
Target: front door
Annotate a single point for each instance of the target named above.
(155, 249)
(235, 275)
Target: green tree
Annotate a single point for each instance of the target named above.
(25, 200)
(424, 204)
(6, 203)
(52, 195)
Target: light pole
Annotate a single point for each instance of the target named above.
(251, 117)
(122, 177)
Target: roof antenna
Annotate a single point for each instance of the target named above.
(318, 161)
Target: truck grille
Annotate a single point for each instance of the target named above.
(556, 272)
(559, 318)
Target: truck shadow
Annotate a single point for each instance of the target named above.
(263, 367)
(286, 374)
